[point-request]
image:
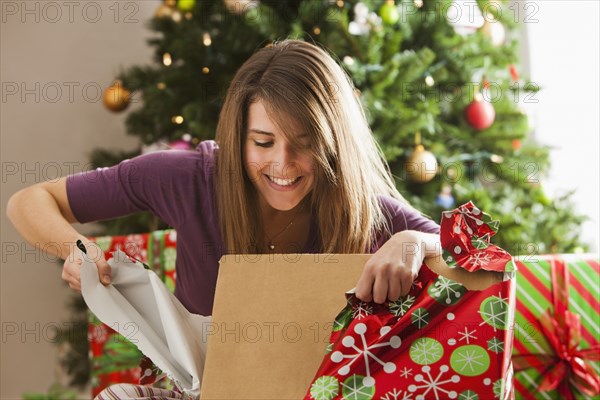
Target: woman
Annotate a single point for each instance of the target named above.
(294, 168)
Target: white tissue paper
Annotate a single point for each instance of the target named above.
(167, 332)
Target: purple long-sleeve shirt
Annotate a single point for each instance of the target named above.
(177, 186)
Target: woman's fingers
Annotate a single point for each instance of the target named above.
(388, 282)
(364, 287)
(395, 289)
(95, 253)
(379, 283)
(103, 272)
(71, 272)
(410, 273)
(362, 293)
(380, 289)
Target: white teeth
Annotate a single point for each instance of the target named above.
(283, 182)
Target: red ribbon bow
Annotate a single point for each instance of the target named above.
(562, 330)
(465, 234)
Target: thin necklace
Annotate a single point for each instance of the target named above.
(271, 244)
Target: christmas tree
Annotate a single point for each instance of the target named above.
(439, 81)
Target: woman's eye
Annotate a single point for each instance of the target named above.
(263, 144)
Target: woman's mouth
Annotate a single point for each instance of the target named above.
(283, 184)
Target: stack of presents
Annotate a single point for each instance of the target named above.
(533, 333)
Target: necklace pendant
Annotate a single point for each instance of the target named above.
(272, 246)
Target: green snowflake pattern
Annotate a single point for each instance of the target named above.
(494, 311)
(470, 360)
(353, 388)
(510, 266)
(499, 388)
(343, 319)
(446, 291)
(325, 388)
(495, 345)
(425, 351)
(420, 317)
(480, 242)
(468, 395)
(399, 307)
(449, 258)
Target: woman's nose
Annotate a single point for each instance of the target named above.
(285, 165)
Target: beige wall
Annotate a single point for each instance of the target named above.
(44, 137)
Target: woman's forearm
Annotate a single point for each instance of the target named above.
(36, 215)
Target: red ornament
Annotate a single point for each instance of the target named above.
(516, 144)
(514, 73)
(480, 114)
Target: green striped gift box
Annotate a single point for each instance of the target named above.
(534, 297)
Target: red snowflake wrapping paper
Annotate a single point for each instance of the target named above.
(441, 341)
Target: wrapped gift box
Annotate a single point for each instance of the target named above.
(449, 338)
(113, 358)
(557, 327)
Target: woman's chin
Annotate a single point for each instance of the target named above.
(279, 205)
(282, 207)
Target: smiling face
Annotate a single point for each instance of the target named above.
(282, 175)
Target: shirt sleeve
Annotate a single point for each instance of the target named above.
(166, 183)
(407, 218)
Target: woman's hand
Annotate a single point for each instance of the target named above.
(71, 272)
(390, 272)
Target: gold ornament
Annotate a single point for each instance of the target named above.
(163, 11)
(171, 3)
(116, 97)
(421, 166)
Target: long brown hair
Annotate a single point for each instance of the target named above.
(297, 79)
